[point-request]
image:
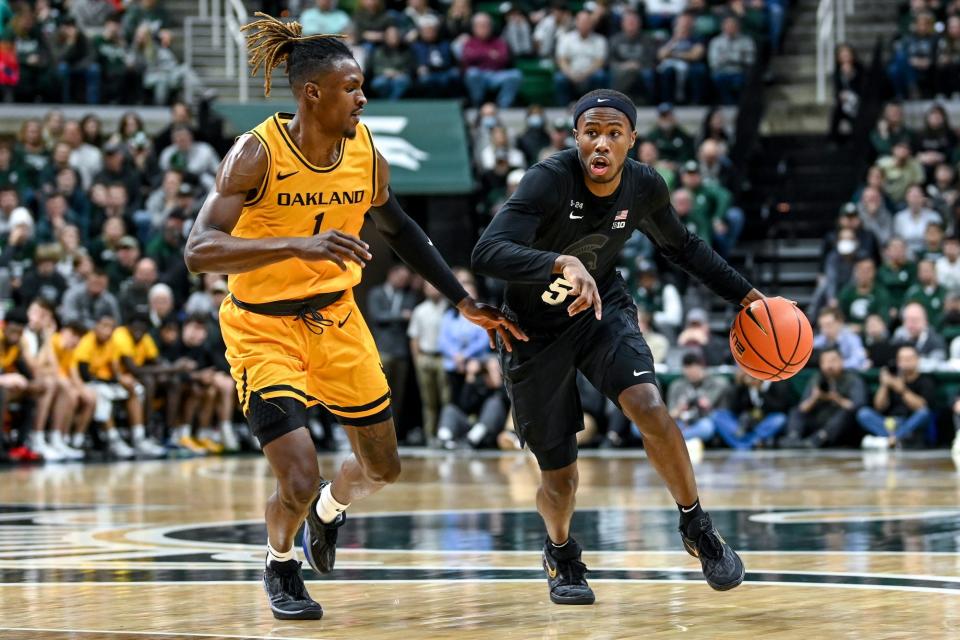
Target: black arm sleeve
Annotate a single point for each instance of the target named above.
(688, 250)
(504, 250)
(21, 366)
(414, 247)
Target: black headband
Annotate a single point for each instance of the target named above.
(612, 101)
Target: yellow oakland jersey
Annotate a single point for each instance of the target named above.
(61, 354)
(298, 198)
(9, 357)
(140, 352)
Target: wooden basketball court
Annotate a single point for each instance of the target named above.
(837, 545)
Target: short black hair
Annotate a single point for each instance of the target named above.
(75, 326)
(17, 315)
(44, 303)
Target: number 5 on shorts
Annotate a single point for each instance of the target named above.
(557, 292)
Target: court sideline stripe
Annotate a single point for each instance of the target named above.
(178, 634)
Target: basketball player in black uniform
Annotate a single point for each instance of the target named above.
(556, 243)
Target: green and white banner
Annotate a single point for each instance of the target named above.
(424, 141)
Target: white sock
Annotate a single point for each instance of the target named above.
(183, 431)
(139, 432)
(56, 439)
(36, 440)
(113, 435)
(77, 441)
(226, 426)
(205, 433)
(327, 505)
(280, 556)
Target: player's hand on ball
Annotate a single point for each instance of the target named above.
(584, 288)
(493, 320)
(335, 246)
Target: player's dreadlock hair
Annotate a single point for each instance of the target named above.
(272, 42)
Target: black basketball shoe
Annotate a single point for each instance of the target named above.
(320, 538)
(722, 567)
(288, 596)
(565, 573)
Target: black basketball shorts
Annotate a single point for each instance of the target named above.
(541, 378)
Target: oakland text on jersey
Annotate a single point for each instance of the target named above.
(320, 198)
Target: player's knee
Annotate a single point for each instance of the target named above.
(560, 488)
(385, 470)
(646, 409)
(298, 489)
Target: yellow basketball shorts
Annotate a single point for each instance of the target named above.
(283, 364)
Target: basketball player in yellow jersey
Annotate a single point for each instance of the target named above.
(283, 220)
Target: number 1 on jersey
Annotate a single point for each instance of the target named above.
(319, 219)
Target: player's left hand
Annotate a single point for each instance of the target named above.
(493, 320)
(755, 295)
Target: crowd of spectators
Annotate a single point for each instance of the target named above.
(684, 51)
(89, 52)
(925, 60)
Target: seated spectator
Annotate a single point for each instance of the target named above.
(948, 266)
(900, 171)
(697, 337)
(706, 23)
(93, 14)
(903, 404)
(116, 170)
(164, 75)
(479, 413)
(85, 158)
(188, 155)
(486, 62)
(944, 193)
(74, 69)
(659, 299)
(715, 127)
(849, 219)
(558, 20)
(912, 69)
(673, 143)
(121, 268)
(500, 149)
(910, 224)
(581, 58)
(916, 331)
(459, 342)
(110, 53)
(457, 22)
(876, 340)
(560, 138)
(834, 335)
(712, 204)
(874, 214)
(437, 72)
(875, 179)
(392, 65)
(731, 56)
(898, 272)
(830, 401)
(927, 292)
(42, 279)
(932, 242)
(682, 201)
(534, 137)
(693, 399)
(413, 14)
(891, 129)
(682, 70)
(371, 20)
(849, 81)
(950, 322)
(516, 31)
(325, 17)
(756, 415)
(633, 60)
(715, 166)
(88, 301)
(864, 295)
(206, 302)
(948, 59)
(935, 144)
(137, 360)
(647, 153)
(160, 305)
(34, 59)
(135, 290)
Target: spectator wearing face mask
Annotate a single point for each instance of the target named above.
(837, 271)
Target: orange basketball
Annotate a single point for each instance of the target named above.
(771, 339)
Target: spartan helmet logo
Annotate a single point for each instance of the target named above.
(586, 248)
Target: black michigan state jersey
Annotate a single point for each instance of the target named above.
(553, 213)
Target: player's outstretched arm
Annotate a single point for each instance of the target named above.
(689, 252)
(211, 248)
(413, 246)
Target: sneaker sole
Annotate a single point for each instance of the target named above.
(731, 585)
(303, 614)
(575, 600)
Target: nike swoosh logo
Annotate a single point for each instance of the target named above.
(640, 373)
(573, 217)
(344, 321)
(602, 99)
(551, 571)
(284, 176)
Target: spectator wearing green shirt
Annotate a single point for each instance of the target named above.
(900, 171)
(648, 153)
(864, 295)
(694, 220)
(673, 143)
(890, 130)
(110, 54)
(148, 12)
(928, 292)
(897, 273)
(711, 202)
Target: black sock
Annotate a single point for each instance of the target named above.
(688, 514)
